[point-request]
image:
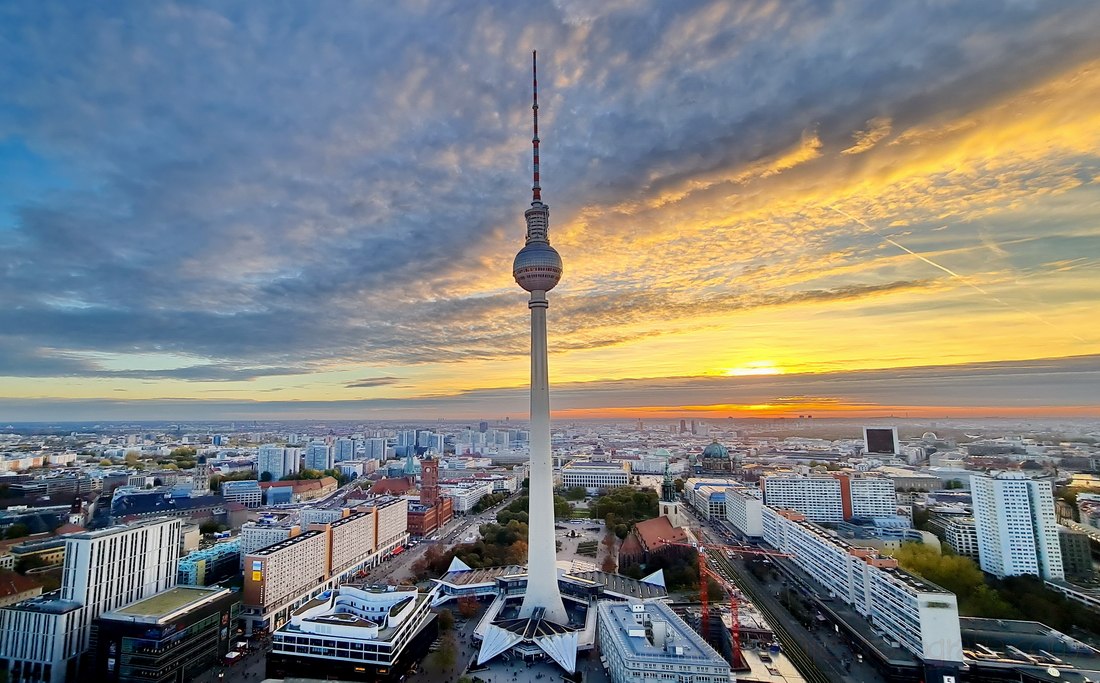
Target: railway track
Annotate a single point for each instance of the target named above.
(790, 644)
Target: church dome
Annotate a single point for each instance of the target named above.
(716, 450)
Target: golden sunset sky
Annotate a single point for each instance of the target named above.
(763, 209)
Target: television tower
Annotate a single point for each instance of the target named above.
(537, 269)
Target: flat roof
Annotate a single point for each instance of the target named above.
(619, 616)
(276, 547)
(169, 602)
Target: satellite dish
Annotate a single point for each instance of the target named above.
(1053, 673)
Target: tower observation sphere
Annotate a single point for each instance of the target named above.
(537, 267)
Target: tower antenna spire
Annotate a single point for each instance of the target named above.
(536, 191)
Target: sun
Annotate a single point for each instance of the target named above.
(756, 367)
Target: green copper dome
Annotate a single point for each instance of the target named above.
(716, 450)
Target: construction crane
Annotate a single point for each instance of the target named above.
(706, 572)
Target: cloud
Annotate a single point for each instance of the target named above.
(265, 190)
(877, 129)
(1040, 387)
(370, 382)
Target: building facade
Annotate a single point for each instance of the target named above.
(1016, 526)
(278, 460)
(173, 637)
(962, 535)
(744, 507)
(1076, 555)
(920, 616)
(246, 492)
(466, 495)
(318, 456)
(594, 476)
(646, 642)
(832, 498)
(210, 565)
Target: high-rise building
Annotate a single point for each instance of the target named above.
(343, 449)
(483, 426)
(1076, 554)
(1017, 529)
(424, 439)
(318, 456)
(277, 460)
(374, 449)
(537, 269)
(43, 639)
(832, 498)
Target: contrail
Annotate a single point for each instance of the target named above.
(953, 274)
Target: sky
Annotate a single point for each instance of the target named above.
(287, 209)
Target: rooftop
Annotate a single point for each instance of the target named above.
(281, 545)
(684, 645)
(164, 605)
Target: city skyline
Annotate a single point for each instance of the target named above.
(254, 212)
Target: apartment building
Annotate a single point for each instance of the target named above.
(920, 616)
(832, 498)
(962, 535)
(1017, 529)
(744, 507)
(280, 578)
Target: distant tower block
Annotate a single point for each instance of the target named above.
(537, 269)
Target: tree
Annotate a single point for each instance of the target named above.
(467, 606)
(446, 620)
(444, 657)
(105, 462)
(16, 530)
(576, 493)
(207, 528)
(28, 563)
(679, 484)
(132, 458)
(183, 452)
(266, 476)
(609, 565)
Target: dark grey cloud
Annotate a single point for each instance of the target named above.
(369, 382)
(269, 188)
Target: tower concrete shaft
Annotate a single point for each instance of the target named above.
(542, 575)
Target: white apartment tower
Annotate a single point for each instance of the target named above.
(42, 639)
(1017, 530)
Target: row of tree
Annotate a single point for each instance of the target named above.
(1017, 597)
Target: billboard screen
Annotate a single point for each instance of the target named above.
(880, 440)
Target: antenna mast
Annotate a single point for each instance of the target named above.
(536, 191)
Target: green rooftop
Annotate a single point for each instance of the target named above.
(163, 604)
